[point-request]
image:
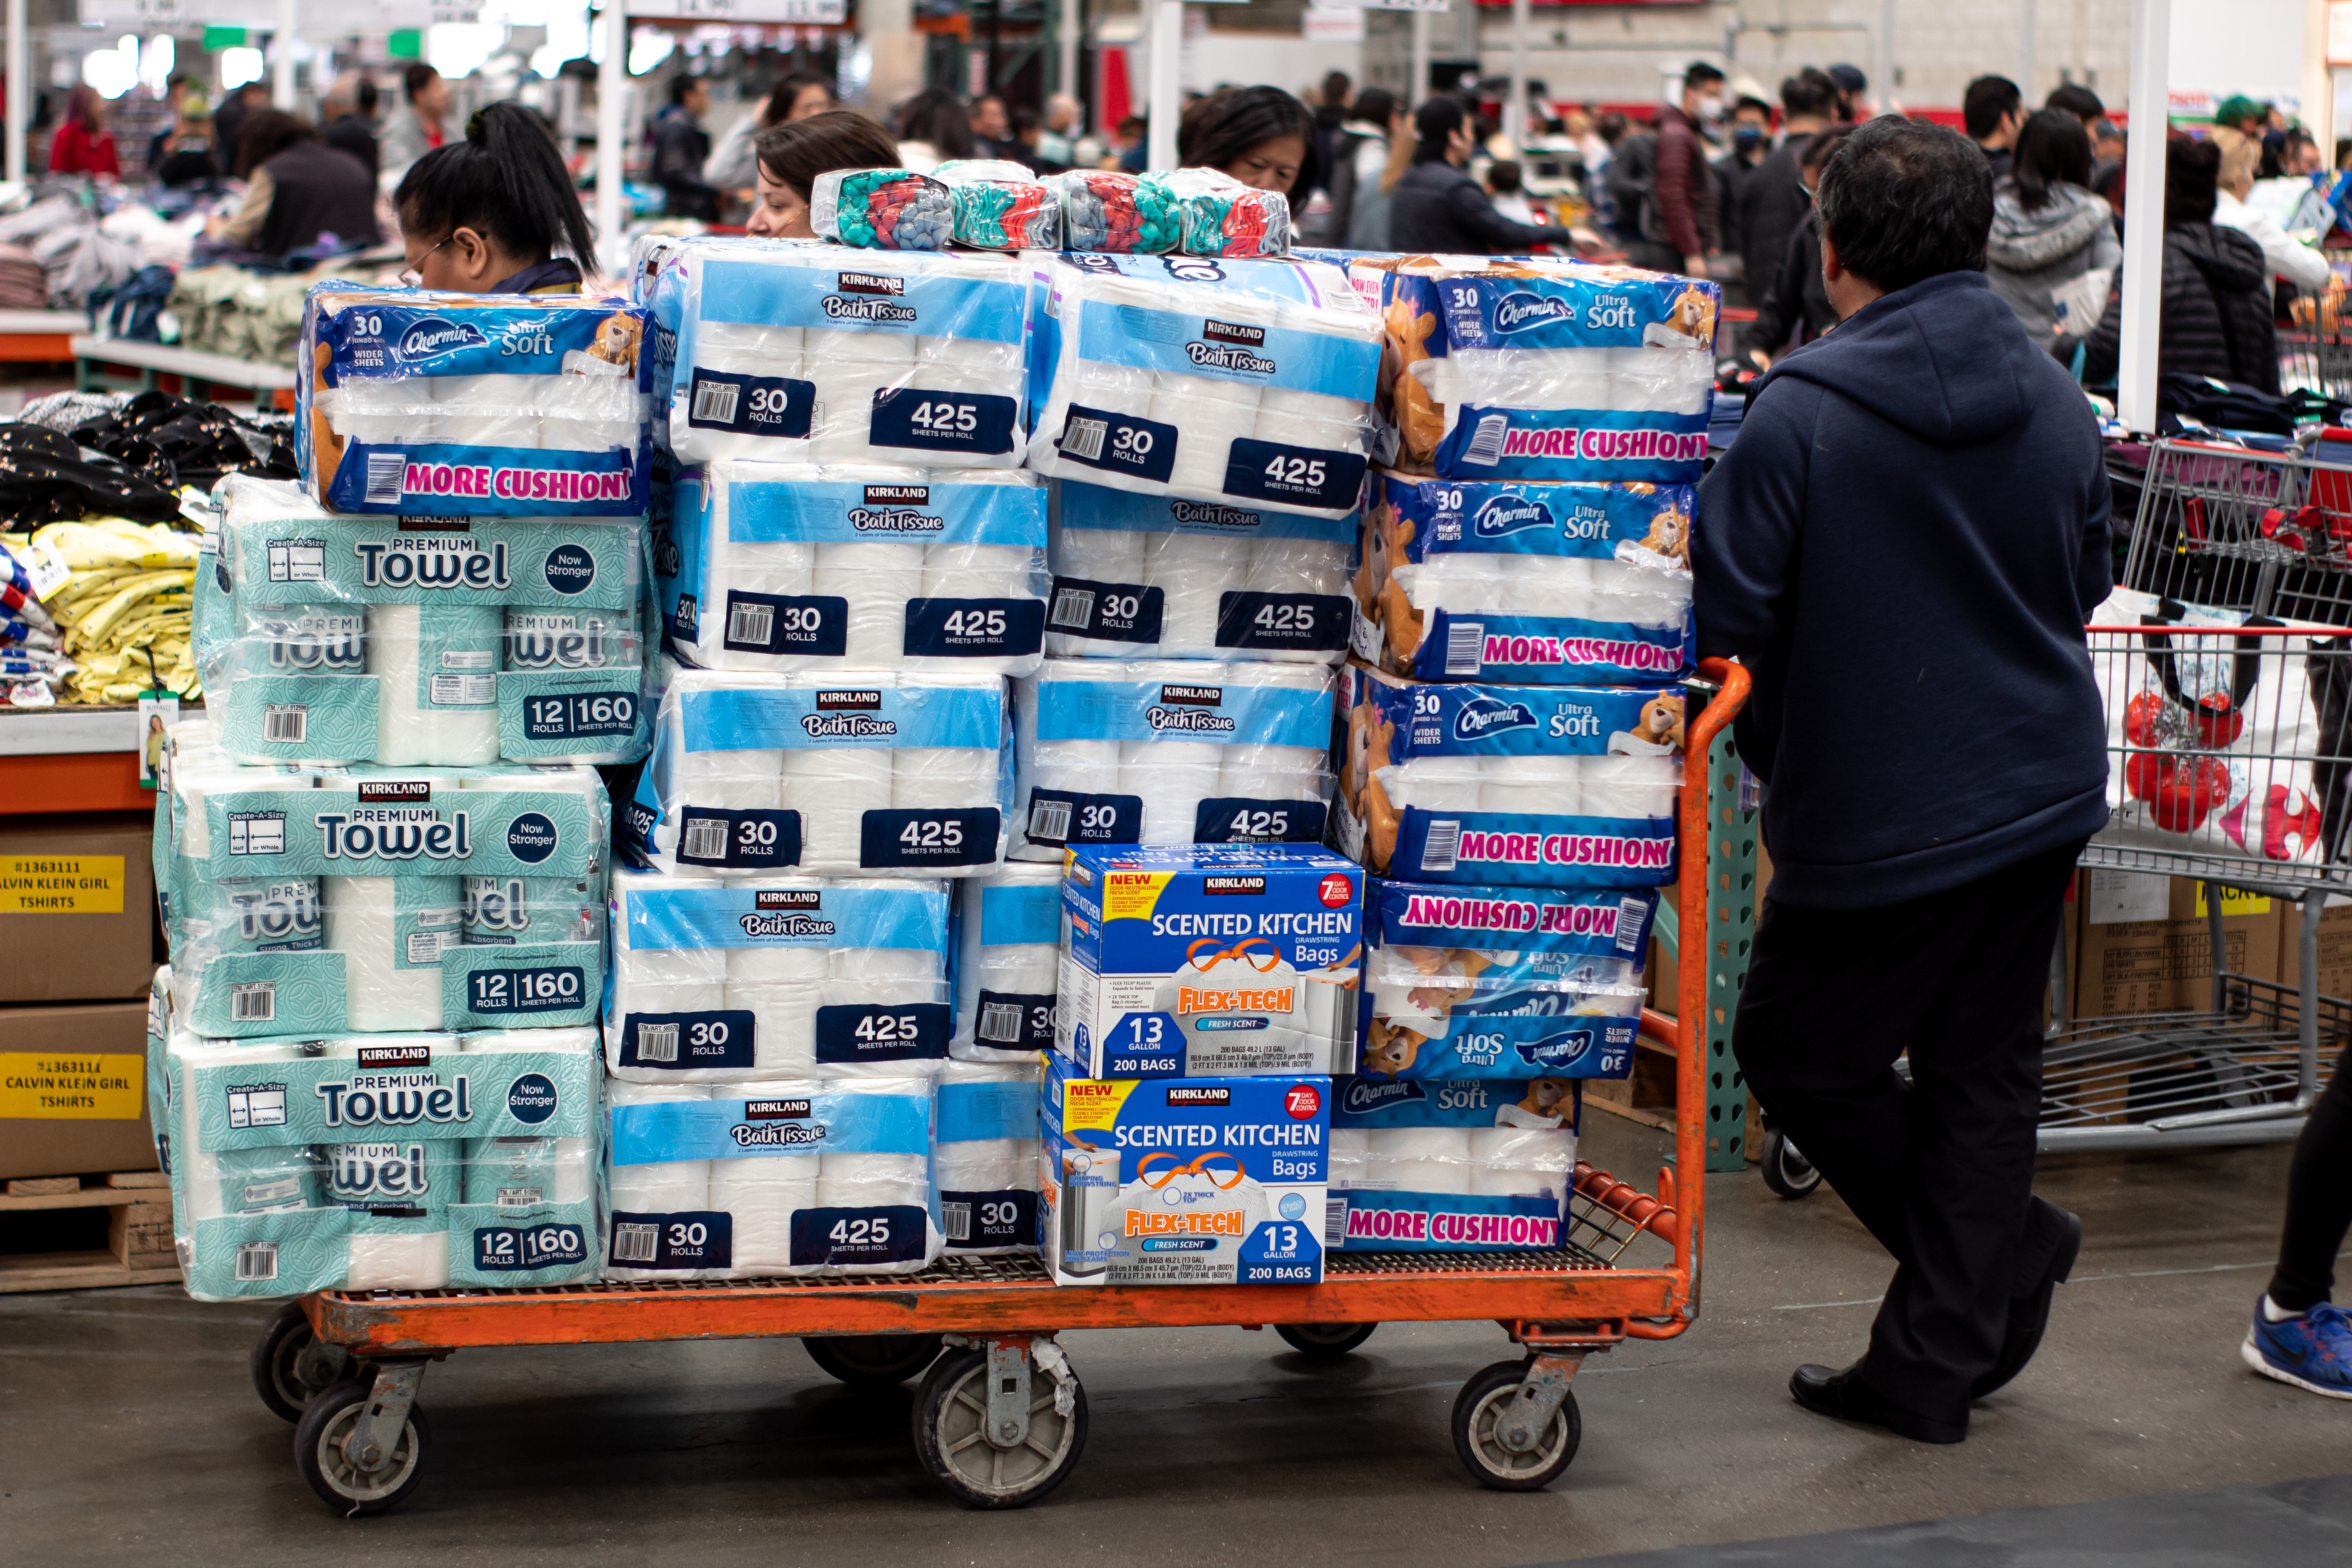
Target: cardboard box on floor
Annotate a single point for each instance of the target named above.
(2143, 944)
(73, 1089)
(76, 906)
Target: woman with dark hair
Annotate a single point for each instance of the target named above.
(732, 165)
(82, 144)
(2215, 315)
(1360, 205)
(1262, 136)
(2052, 251)
(488, 214)
(932, 129)
(792, 156)
(298, 189)
(1436, 208)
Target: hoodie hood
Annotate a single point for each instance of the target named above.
(1945, 360)
(2024, 241)
(2228, 258)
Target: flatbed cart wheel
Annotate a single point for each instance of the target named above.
(951, 1414)
(1324, 1341)
(319, 1453)
(1786, 1170)
(872, 1360)
(289, 1364)
(1478, 1411)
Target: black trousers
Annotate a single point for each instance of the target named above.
(1941, 1172)
(2318, 1199)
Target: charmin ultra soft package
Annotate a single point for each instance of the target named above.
(428, 640)
(471, 404)
(1486, 982)
(1587, 583)
(861, 770)
(1195, 1180)
(1169, 752)
(1541, 785)
(1534, 370)
(1191, 959)
(781, 567)
(1477, 1166)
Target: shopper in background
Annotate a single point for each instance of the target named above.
(1505, 187)
(495, 213)
(1794, 307)
(681, 146)
(2293, 259)
(347, 116)
(2107, 146)
(932, 129)
(82, 144)
(413, 127)
(1262, 136)
(2079, 101)
(1360, 201)
(1134, 141)
(228, 120)
(732, 165)
(2299, 155)
(791, 156)
(1993, 109)
(1331, 116)
(176, 94)
(187, 157)
(1852, 88)
(1437, 208)
(1678, 222)
(1751, 143)
(298, 190)
(2053, 250)
(2215, 315)
(1772, 201)
(992, 129)
(1057, 142)
(1920, 491)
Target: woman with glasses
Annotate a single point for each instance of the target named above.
(496, 213)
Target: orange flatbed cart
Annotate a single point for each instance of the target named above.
(1002, 1417)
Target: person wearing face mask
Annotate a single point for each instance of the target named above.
(1680, 222)
(1751, 142)
(1436, 208)
(792, 156)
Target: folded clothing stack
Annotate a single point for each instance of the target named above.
(776, 566)
(794, 353)
(1247, 382)
(860, 770)
(1169, 752)
(1476, 1166)
(471, 404)
(1008, 960)
(986, 1157)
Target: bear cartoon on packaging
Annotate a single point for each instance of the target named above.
(326, 447)
(1666, 544)
(617, 341)
(1419, 423)
(1369, 736)
(1691, 319)
(1390, 1049)
(1553, 1098)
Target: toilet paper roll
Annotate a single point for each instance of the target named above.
(987, 1166)
(437, 682)
(1506, 1182)
(979, 572)
(1440, 1143)
(875, 579)
(1438, 784)
(1193, 573)
(1550, 585)
(832, 790)
(1537, 787)
(1254, 772)
(1210, 415)
(1171, 778)
(1523, 1147)
(864, 345)
(390, 931)
(1350, 1157)
(943, 778)
(488, 410)
(667, 980)
(1297, 567)
(418, 1262)
(786, 568)
(783, 1022)
(873, 1181)
(760, 1206)
(380, 411)
(1660, 380)
(730, 781)
(1419, 1175)
(842, 426)
(664, 1187)
(1629, 786)
(778, 966)
(1099, 555)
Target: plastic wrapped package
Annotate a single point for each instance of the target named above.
(1218, 216)
(728, 983)
(837, 774)
(1245, 383)
(787, 352)
(1008, 957)
(1109, 210)
(985, 1156)
(777, 567)
(471, 404)
(1475, 1166)
(882, 209)
(1484, 983)
(1169, 752)
(1000, 206)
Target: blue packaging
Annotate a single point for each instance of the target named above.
(1485, 1165)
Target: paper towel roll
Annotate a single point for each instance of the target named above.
(1172, 777)
(259, 1181)
(519, 1173)
(419, 1262)
(536, 639)
(505, 912)
(437, 682)
(391, 931)
(665, 1187)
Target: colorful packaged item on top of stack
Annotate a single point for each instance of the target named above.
(1106, 210)
(1000, 206)
(882, 209)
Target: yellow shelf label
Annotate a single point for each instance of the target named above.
(61, 884)
(54, 1086)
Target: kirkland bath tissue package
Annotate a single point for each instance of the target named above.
(1236, 381)
(388, 1162)
(1582, 584)
(1552, 787)
(1535, 370)
(1479, 1166)
(776, 566)
(1008, 959)
(471, 404)
(1195, 1180)
(863, 771)
(788, 351)
(1169, 752)
(1137, 576)
(429, 640)
(733, 982)
(1190, 960)
(986, 1157)
(376, 901)
(1478, 983)
(786, 1175)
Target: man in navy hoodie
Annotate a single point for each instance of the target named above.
(1902, 546)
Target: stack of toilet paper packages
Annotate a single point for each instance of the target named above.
(1588, 584)
(795, 1175)
(986, 1157)
(1488, 983)
(1008, 964)
(791, 353)
(777, 566)
(471, 404)
(417, 1162)
(1199, 212)
(1144, 575)
(1169, 752)
(357, 639)
(1484, 1165)
(373, 901)
(1535, 370)
(1194, 1181)
(838, 773)
(735, 983)
(1565, 786)
(1183, 960)
(1247, 382)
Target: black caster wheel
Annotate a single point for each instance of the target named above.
(1324, 1341)
(289, 1364)
(950, 1415)
(1786, 1170)
(872, 1360)
(319, 1453)
(1479, 1409)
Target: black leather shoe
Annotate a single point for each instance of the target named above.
(1828, 1392)
(2029, 1314)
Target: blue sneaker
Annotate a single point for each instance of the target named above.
(2313, 1351)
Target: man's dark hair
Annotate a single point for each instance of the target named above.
(2077, 100)
(1611, 125)
(795, 153)
(1904, 201)
(1700, 74)
(265, 134)
(1376, 104)
(1989, 100)
(364, 97)
(934, 116)
(1808, 92)
(1757, 104)
(1503, 176)
(2053, 150)
(1822, 143)
(416, 78)
(1433, 123)
(2192, 176)
(681, 87)
(1335, 88)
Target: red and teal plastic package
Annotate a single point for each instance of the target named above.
(882, 209)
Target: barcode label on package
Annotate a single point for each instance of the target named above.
(816, 623)
(1084, 438)
(723, 1039)
(384, 472)
(752, 404)
(1016, 1020)
(635, 1243)
(1120, 444)
(756, 840)
(256, 1261)
(1006, 1219)
(1443, 847)
(1058, 819)
(1049, 820)
(1486, 447)
(1335, 1222)
(285, 724)
(657, 1042)
(714, 402)
(1110, 612)
(956, 1220)
(748, 622)
(253, 1003)
(703, 838)
(1000, 1024)
(1465, 647)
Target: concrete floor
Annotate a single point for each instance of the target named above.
(128, 1430)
